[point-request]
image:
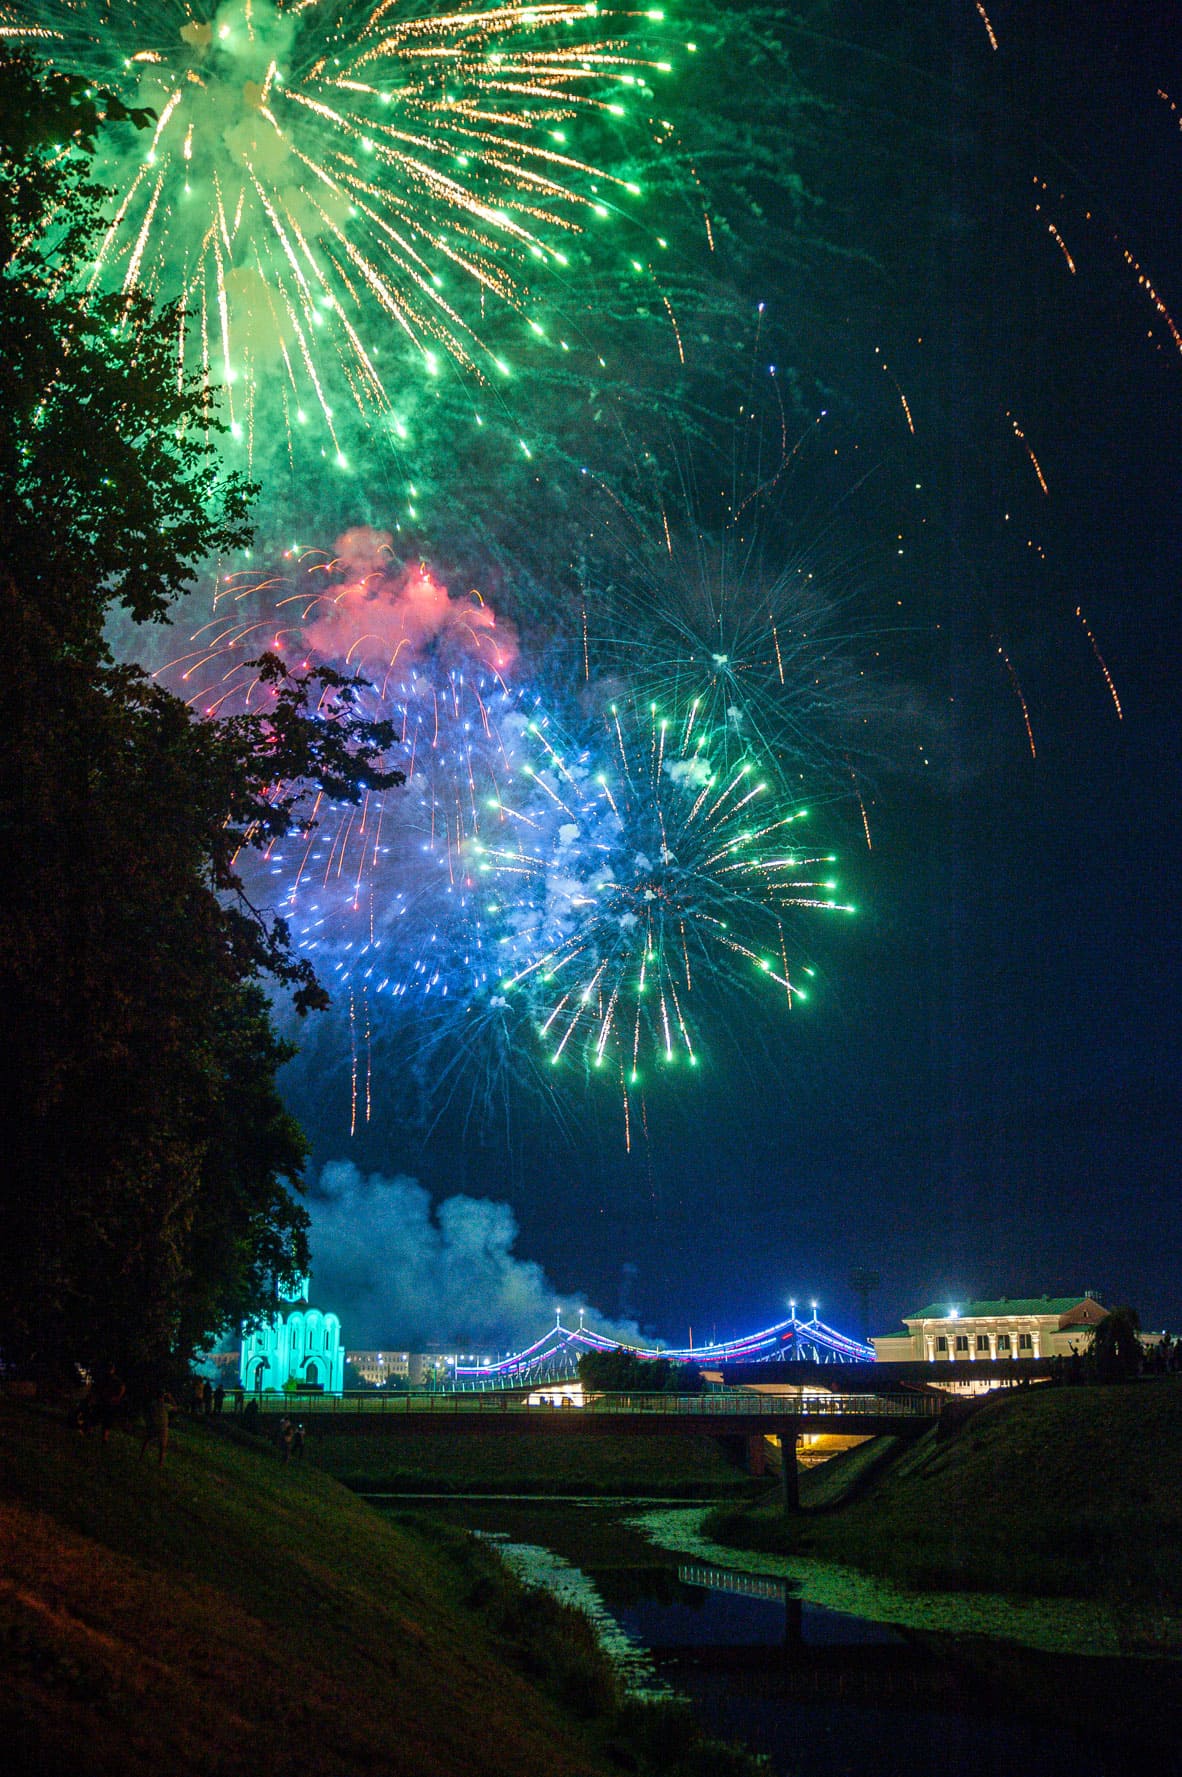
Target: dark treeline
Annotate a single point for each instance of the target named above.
(148, 1157)
(626, 1372)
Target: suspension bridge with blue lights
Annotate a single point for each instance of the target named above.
(555, 1356)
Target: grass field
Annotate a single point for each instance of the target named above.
(233, 1614)
(1051, 1492)
(664, 1467)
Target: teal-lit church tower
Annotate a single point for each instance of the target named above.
(300, 1343)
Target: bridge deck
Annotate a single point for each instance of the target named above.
(642, 1415)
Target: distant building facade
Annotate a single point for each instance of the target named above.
(380, 1367)
(301, 1343)
(985, 1332)
(417, 1369)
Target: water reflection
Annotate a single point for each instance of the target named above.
(812, 1686)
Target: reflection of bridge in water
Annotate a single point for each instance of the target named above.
(555, 1356)
(816, 1656)
(730, 1579)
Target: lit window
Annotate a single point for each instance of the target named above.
(1003, 1341)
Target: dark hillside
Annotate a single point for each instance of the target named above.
(1073, 1492)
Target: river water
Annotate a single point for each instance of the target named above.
(762, 1650)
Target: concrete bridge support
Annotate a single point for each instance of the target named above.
(790, 1473)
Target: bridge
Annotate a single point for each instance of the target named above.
(735, 1412)
(555, 1356)
(740, 1419)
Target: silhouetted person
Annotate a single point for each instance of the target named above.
(219, 1398)
(156, 1423)
(297, 1441)
(285, 1440)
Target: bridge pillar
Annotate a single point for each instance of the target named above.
(791, 1477)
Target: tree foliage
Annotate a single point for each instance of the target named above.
(1116, 1349)
(149, 1151)
(626, 1372)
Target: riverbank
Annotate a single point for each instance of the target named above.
(234, 1614)
(905, 1684)
(1043, 1493)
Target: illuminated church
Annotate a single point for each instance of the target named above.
(300, 1344)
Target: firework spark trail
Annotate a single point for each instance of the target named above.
(757, 633)
(1108, 679)
(657, 892)
(320, 169)
(379, 895)
(906, 405)
(1020, 435)
(1016, 683)
(989, 31)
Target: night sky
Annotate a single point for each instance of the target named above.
(982, 1097)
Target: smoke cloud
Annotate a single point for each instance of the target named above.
(403, 1272)
(376, 612)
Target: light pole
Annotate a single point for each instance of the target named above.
(864, 1282)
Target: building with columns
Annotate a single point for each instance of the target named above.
(301, 1343)
(1029, 1327)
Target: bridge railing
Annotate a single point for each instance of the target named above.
(738, 1403)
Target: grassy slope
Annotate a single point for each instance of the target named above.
(233, 1614)
(673, 1467)
(1055, 1492)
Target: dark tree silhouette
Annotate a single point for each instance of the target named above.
(148, 1154)
(1116, 1348)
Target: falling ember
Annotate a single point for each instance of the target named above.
(675, 327)
(1021, 436)
(1021, 696)
(989, 31)
(1108, 680)
(1147, 285)
(353, 1070)
(862, 807)
(1062, 246)
(899, 391)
